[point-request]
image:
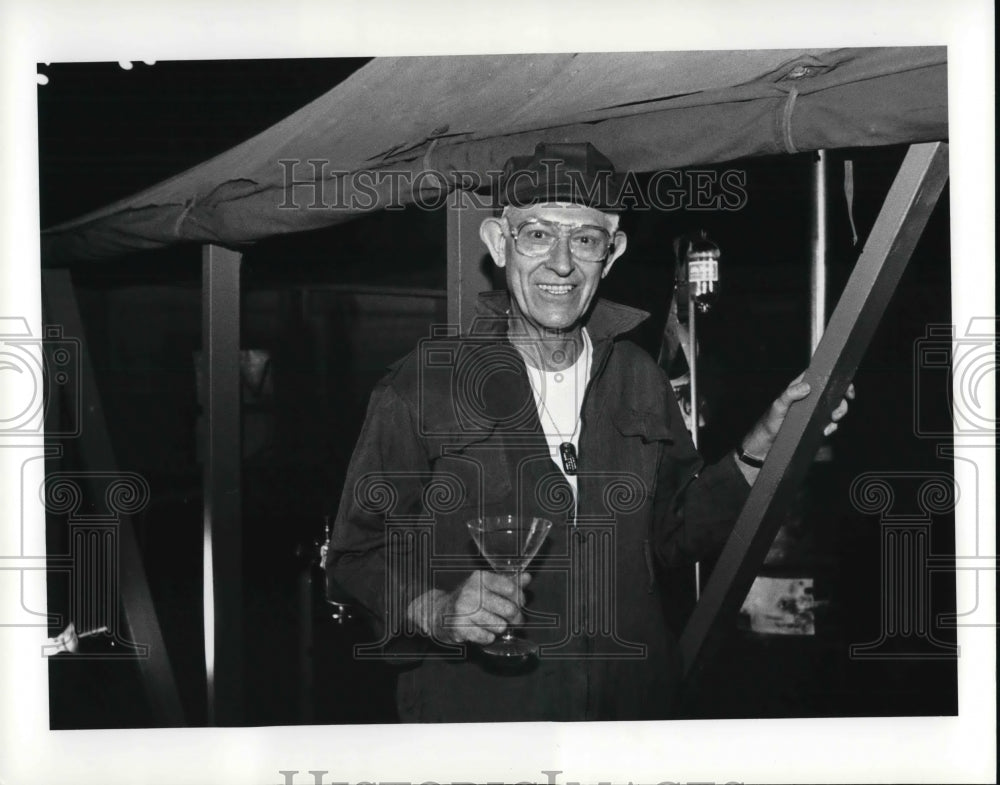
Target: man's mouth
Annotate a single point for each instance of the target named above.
(556, 289)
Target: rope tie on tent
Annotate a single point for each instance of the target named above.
(438, 176)
(427, 155)
(849, 196)
(188, 207)
(786, 120)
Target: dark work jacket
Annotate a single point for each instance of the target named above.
(452, 433)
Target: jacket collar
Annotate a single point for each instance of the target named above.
(502, 399)
(605, 320)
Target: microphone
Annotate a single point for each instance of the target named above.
(702, 261)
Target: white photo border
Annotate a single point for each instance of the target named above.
(847, 750)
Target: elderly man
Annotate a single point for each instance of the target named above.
(542, 410)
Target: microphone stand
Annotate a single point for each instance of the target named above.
(692, 370)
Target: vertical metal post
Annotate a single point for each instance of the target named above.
(223, 551)
(818, 266)
(468, 275)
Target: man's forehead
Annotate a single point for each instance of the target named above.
(562, 212)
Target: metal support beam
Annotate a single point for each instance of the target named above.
(97, 453)
(900, 223)
(223, 545)
(469, 269)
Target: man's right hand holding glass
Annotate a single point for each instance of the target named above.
(477, 611)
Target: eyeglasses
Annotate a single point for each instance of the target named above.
(539, 238)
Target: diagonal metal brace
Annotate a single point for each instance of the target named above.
(904, 214)
(98, 453)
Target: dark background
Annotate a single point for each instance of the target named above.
(105, 133)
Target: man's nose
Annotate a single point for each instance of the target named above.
(561, 260)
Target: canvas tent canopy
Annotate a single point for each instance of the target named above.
(468, 114)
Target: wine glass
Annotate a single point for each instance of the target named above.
(509, 543)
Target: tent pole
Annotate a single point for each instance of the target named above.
(818, 269)
(223, 551)
(904, 214)
(467, 273)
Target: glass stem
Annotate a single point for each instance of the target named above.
(508, 634)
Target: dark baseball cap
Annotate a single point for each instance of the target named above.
(574, 172)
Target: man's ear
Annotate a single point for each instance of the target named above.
(620, 241)
(491, 232)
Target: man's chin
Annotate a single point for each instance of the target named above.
(560, 318)
(559, 325)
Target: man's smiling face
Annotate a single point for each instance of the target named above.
(552, 291)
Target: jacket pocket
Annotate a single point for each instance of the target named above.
(648, 426)
(483, 473)
(646, 435)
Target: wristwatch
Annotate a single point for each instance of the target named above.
(750, 460)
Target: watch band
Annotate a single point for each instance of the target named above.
(750, 460)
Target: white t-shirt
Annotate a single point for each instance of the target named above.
(559, 398)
